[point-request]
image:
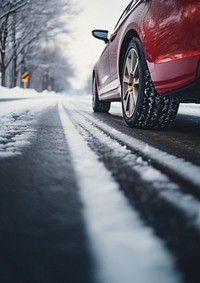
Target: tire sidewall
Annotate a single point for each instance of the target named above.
(131, 121)
(94, 94)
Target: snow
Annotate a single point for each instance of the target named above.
(124, 249)
(189, 109)
(17, 92)
(173, 194)
(17, 118)
(178, 165)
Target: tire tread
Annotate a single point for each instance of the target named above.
(155, 111)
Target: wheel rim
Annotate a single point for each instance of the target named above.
(130, 82)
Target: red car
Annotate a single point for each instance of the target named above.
(151, 62)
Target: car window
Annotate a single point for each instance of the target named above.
(123, 15)
(133, 4)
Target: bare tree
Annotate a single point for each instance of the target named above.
(49, 67)
(7, 8)
(25, 24)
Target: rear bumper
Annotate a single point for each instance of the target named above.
(176, 76)
(187, 94)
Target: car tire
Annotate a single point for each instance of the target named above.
(97, 105)
(142, 107)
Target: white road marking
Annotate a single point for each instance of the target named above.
(124, 249)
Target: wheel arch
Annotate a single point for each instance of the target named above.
(128, 37)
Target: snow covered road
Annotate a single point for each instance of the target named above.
(86, 199)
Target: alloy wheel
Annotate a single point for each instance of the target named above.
(130, 82)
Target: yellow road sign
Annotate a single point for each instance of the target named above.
(25, 76)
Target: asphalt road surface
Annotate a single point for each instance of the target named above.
(84, 198)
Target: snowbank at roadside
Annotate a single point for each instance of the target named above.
(189, 109)
(19, 111)
(17, 92)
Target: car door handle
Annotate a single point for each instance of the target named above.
(112, 37)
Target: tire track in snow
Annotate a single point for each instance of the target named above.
(168, 190)
(179, 169)
(175, 216)
(124, 249)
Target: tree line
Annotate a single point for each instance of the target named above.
(32, 33)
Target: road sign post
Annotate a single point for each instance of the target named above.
(25, 77)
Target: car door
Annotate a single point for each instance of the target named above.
(103, 65)
(103, 72)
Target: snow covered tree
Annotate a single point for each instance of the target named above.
(24, 26)
(49, 67)
(7, 8)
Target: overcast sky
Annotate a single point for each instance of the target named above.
(85, 49)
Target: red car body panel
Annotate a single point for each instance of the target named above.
(170, 35)
(130, 23)
(172, 30)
